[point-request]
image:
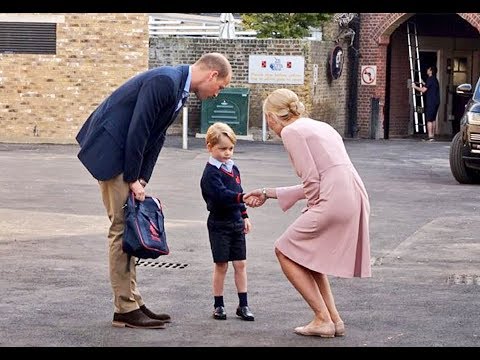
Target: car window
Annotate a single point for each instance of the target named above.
(476, 94)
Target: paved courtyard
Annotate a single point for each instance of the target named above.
(54, 277)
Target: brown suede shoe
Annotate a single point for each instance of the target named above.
(136, 319)
(164, 317)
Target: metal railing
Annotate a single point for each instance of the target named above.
(158, 25)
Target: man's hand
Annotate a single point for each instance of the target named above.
(137, 190)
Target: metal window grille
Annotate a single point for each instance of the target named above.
(28, 38)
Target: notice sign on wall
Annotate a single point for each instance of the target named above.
(369, 75)
(266, 69)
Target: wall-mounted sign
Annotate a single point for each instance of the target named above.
(266, 69)
(315, 74)
(336, 62)
(369, 75)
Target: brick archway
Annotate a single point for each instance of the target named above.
(384, 29)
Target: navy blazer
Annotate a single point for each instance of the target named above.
(127, 130)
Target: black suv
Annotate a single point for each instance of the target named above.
(465, 146)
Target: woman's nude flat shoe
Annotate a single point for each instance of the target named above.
(339, 329)
(326, 330)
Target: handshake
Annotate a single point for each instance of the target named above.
(256, 198)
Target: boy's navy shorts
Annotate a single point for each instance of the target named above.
(227, 240)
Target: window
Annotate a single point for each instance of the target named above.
(459, 70)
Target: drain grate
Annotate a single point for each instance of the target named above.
(463, 279)
(165, 265)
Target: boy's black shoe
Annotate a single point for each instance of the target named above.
(245, 313)
(220, 313)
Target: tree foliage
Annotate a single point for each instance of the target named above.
(283, 25)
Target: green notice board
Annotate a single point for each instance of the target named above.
(230, 106)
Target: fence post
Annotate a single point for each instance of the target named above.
(185, 128)
(374, 117)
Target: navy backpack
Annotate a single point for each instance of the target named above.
(144, 235)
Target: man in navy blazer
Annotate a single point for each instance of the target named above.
(119, 145)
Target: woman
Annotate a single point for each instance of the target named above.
(331, 236)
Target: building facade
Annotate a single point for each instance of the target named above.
(451, 42)
(49, 84)
(61, 67)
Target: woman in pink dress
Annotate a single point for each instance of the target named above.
(331, 236)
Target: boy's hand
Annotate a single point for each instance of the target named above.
(247, 225)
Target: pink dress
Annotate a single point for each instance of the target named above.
(331, 236)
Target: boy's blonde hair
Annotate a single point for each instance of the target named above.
(218, 129)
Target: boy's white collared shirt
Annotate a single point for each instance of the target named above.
(228, 165)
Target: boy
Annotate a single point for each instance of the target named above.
(228, 220)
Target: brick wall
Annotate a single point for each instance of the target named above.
(373, 52)
(325, 101)
(329, 97)
(400, 107)
(46, 98)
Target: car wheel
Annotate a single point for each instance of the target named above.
(459, 170)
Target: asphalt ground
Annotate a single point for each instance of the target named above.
(425, 248)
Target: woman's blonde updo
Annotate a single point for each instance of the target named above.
(284, 103)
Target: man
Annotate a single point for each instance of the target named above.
(120, 143)
(431, 90)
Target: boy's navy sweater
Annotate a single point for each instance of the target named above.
(223, 193)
